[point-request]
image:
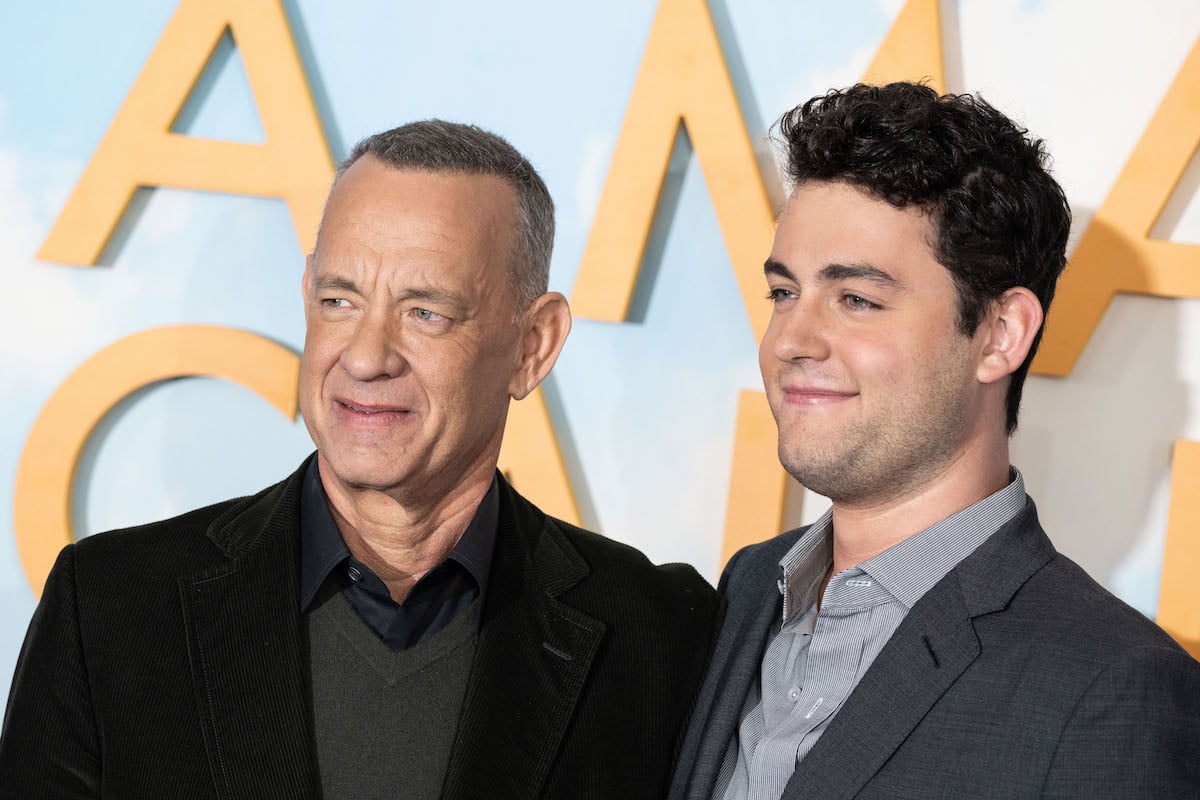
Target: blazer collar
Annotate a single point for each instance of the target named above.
(245, 645)
(249, 665)
(532, 659)
(753, 607)
(932, 647)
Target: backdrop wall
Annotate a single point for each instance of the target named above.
(644, 411)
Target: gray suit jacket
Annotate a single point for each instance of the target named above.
(1016, 676)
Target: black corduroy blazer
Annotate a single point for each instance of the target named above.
(169, 660)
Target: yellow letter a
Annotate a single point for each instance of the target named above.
(683, 78)
(531, 459)
(1116, 253)
(1179, 595)
(912, 49)
(140, 150)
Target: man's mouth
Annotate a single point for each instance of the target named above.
(814, 395)
(370, 409)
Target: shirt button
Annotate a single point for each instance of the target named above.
(793, 694)
(354, 574)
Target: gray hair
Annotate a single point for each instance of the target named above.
(439, 146)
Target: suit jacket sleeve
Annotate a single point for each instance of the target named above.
(1135, 732)
(50, 744)
(727, 573)
(692, 759)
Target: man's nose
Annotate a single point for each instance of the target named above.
(801, 333)
(374, 350)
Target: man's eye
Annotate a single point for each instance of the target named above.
(426, 315)
(858, 302)
(335, 302)
(775, 295)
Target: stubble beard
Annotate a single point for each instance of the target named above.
(891, 454)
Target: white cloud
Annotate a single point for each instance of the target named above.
(1187, 363)
(64, 314)
(167, 215)
(1138, 578)
(813, 82)
(17, 224)
(637, 434)
(54, 317)
(593, 169)
(1060, 66)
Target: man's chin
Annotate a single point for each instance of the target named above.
(358, 473)
(825, 476)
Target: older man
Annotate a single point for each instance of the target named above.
(393, 620)
(923, 639)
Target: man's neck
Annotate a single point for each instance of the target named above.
(862, 531)
(402, 538)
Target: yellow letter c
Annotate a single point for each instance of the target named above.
(42, 503)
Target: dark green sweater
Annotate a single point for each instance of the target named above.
(384, 720)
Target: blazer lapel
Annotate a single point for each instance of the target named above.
(932, 647)
(924, 657)
(246, 651)
(733, 679)
(754, 605)
(531, 662)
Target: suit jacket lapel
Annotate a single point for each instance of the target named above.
(932, 647)
(246, 651)
(924, 657)
(736, 676)
(531, 662)
(737, 658)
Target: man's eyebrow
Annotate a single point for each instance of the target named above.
(433, 295)
(863, 272)
(773, 267)
(832, 273)
(334, 283)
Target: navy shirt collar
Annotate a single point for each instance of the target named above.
(322, 549)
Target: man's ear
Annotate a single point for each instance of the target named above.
(1006, 333)
(546, 324)
(306, 280)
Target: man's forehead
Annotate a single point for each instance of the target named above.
(386, 203)
(833, 212)
(372, 173)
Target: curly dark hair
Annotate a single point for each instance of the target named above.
(999, 219)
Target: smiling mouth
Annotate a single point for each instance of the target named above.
(814, 397)
(369, 410)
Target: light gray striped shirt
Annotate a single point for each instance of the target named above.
(815, 659)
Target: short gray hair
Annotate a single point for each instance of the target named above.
(439, 146)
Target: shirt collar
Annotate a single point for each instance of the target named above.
(321, 545)
(474, 549)
(322, 548)
(804, 566)
(909, 569)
